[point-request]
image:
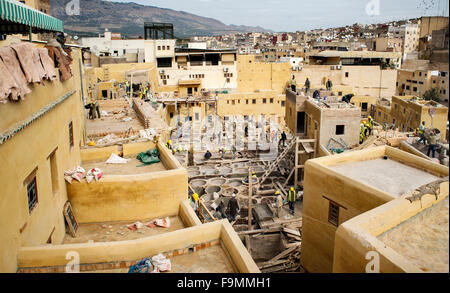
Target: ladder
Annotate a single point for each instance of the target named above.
(275, 163)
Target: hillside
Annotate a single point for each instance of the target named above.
(129, 18)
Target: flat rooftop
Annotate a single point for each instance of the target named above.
(211, 259)
(118, 231)
(134, 166)
(423, 239)
(389, 175)
(113, 123)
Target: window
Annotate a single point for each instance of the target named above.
(54, 172)
(71, 134)
(379, 113)
(168, 47)
(282, 103)
(246, 101)
(32, 193)
(253, 101)
(171, 115)
(232, 102)
(333, 214)
(339, 93)
(346, 74)
(364, 107)
(159, 48)
(415, 89)
(340, 129)
(271, 100)
(264, 100)
(164, 82)
(197, 117)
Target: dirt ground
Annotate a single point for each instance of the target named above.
(207, 260)
(124, 169)
(118, 231)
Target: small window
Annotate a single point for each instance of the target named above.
(197, 117)
(232, 102)
(346, 74)
(71, 134)
(253, 101)
(339, 93)
(246, 101)
(171, 115)
(271, 100)
(340, 129)
(168, 47)
(364, 107)
(333, 214)
(159, 48)
(282, 103)
(32, 193)
(264, 101)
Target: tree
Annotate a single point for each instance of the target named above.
(432, 95)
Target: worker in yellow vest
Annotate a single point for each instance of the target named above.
(361, 133)
(169, 144)
(370, 124)
(291, 199)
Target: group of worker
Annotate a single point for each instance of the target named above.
(432, 140)
(365, 129)
(307, 85)
(143, 90)
(94, 108)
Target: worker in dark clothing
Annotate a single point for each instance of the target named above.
(307, 84)
(283, 139)
(233, 206)
(316, 94)
(97, 109)
(432, 143)
(348, 97)
(208, 155)
(329, 85)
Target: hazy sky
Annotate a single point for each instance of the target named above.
(293, 15)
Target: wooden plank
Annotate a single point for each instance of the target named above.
(284, 222)
(283, 254)
(308, 148)
(295, 244)
(291, 231)
(271, 230)
(272, 264)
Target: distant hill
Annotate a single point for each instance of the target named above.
(129, 18)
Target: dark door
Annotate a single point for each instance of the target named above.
(300, 122)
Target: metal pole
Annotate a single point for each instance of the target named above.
(250, 189)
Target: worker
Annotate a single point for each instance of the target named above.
(366, 129)
(307, 84)
(291, 200)
(283, 139)
(208, 155)
(233, 207)
(432, 143)
(253, 176)
(348, 97)
(316, 95)
(329, 85)
(361, 133)
(222, 153)
(169, 144)
(421, 133)
(278, 204)
(194, 201)
(217, 214)
(293, 84)
(127, 85)
(370, 124)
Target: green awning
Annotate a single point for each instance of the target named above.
(14, 15)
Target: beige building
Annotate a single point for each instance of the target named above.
(330, 119)
(338, 189)
(408, 112)
(418, 81)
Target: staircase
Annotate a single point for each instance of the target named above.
(275, 163)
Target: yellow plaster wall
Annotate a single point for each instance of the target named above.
(144, 247)
(357, 237)
(29, 149)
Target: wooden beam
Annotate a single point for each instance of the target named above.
(270, 230)
(250, 190)
(291, 231)
(284, 253)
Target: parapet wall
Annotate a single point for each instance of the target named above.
(172, 243)
(131, 197)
